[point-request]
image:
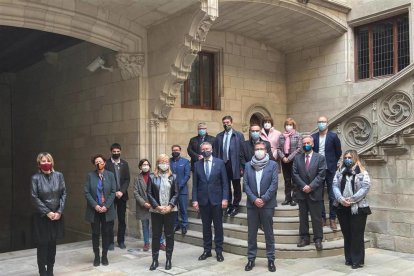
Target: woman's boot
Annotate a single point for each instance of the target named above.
(168, 262)
(97, 260)
(154, 264)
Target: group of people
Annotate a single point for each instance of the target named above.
(218, 164)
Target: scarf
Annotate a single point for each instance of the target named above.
(259, 164)
(165, 187)
(287, 135)
(145, 175)
(347, 185)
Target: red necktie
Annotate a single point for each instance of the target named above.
(307, 162)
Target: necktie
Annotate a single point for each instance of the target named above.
(207, 168)
(307, 162)
(225, 152)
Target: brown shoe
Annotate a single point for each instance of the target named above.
(332, 224)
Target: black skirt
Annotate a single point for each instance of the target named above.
(46, 230)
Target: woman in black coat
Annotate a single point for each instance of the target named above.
(100, 188)
(48, 197)
(162, 191)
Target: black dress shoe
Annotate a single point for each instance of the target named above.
(154, 265)
(204, 256)
(318, 245)
(104, 260)
(271, 266)
(229, 210)
(234, 212)
(286, 202)
(168, 264)
(249, 266)
(348, 263)
(176, 228)
(183, 230)
(97, 261)
(293, 203)
(121, 245)
(356, 266)
(219, 257)
(303, 243)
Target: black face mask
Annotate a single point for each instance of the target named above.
(116, 156)
(206, 154)
(175, 154)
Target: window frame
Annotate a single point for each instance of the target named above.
(213, 72)
(370, 26)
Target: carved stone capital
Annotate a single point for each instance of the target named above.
(131, 64)
(154, 123)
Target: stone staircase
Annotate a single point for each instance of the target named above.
(286, 225)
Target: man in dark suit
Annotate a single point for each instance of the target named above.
(227, 147)
(247, 150)
(210, 194)
(193, 148)
(120, 169)
(260, 186)
(308, 176)
(328, 144)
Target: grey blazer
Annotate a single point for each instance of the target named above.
(109, 194)
(362, 184)
(268, 185)
(140, 193)
(314, 177)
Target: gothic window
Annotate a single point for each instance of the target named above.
(383, 47)
(200, 89)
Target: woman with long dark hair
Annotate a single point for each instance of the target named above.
(48, 197)
(350, 186)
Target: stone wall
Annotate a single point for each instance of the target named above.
(253, 75)
(5, 166)
(72, 113)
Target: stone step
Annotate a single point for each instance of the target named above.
(281, 236)
(283, 251)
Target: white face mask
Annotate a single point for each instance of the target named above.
(145, 168)
(259, 154)
(163, 167)
(289, 128)
(267, 125)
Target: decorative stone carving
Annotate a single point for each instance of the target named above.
(371, 152)
(130, 64)
(154, 123)
(396, 108)
(357, 131)
(409, 130)
(393, 140)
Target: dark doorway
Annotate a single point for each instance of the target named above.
(256, 118)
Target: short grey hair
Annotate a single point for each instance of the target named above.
(202, 124)
(206, 143)
(307, 136)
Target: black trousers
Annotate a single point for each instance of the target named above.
(255, 218)
(353, 228)
(212, 214)
(307, 206)
(158, 222)
(101, 226)
(287, 176)
(46, 253)
(120, 206)
(233, 202)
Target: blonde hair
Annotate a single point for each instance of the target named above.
(355, 157)
(48, 157)
(162, 157)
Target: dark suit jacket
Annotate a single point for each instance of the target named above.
(193, 148)
(213, 190)
(247, 151)
(124, 177)
(90, 194)
(236, 142)
(332, 149)
(268, 185)
(153, 190)
(314, 177)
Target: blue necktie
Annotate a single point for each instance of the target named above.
(207, 169)
(226, 145)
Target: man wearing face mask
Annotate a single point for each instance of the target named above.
(260, 185)
(308, 174)
(193, 148)
(210, 194)
(328, 144)
(227, 147)
(120, 169)
(181, 168)
(247, 150)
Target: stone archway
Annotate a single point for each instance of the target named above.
(254, 114)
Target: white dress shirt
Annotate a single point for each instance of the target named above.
(322, 140)
(258, 179)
